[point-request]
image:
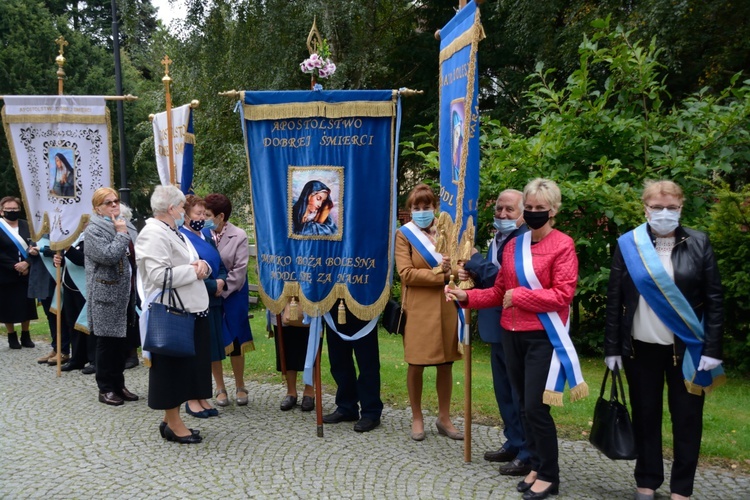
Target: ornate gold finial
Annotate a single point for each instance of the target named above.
(314, 41)
(166, 62)
(60, 59)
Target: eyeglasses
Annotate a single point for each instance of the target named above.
(112, 203)
(659, 208)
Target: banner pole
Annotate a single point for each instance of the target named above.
(58, 316)
(467, 387)
(318, 388)
(167, 80)
(282, 357)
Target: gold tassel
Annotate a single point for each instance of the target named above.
(552, 398)
(293, 309)
(579, 392)
(342, 312)
(461, 348)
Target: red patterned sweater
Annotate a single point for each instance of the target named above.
(556, 266)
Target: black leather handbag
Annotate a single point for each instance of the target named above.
(394, 318)
(612, 430)
(170, 329)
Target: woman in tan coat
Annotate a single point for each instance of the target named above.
(430, 337)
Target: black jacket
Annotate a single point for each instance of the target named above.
(696, 274)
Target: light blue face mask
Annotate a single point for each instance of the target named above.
(107, 218)
(210, 224)
(422, 218)
(179, 222)
(504, 226)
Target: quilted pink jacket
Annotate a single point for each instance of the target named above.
(556, 266)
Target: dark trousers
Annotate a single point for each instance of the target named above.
(73, 303)
(52, 322)
(528, 356)
(352, 389)
(508, 403)
(111, 353)
(646, 371)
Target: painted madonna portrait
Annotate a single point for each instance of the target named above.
(311, 213)
(62, 175)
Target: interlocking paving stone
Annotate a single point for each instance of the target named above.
(58, 441)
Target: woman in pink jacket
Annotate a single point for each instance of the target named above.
(535, 286)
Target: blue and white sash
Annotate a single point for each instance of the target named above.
(564, 366)
(670, 306)
(422, 244)
(15, 238)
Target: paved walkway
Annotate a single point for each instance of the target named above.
(58, 441)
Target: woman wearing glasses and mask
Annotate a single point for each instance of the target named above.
(665, 321)
(109, 260)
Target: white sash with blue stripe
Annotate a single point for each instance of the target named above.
(564, 366)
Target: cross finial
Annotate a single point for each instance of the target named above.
(60, 40)
(166, 62)
(313, 38)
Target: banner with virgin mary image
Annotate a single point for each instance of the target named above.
(459, 115)
(61, 149)
(322, 168)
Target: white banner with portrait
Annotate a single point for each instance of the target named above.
(182, 136)
(61, 148)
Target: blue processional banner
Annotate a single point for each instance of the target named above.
(459, 116)
(322, 168)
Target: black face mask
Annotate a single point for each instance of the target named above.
(535, 220)
(12, 216)
(197, 225)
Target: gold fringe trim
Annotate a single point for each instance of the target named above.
(697, 390)
(466, 38)
(315, 309)
(82, 329)
(189, 138)
(319, 109)
(247, 347)
(552, 398)
(146, 362)
(579, 392)
(56, 118)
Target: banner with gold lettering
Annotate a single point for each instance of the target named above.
(322, 168)
(61, 148)
(183, 141)
(459, 118)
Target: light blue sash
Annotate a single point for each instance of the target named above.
(670, 306)
(15, 238)
(564, 366)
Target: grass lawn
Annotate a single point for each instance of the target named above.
(726, 433)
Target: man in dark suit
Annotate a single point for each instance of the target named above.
(357, 397)
(509, 224)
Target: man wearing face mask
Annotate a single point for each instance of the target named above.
(665, 321)
(483, 271)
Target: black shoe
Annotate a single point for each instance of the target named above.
(288, 403)
(110, 398)
(366, 424)
(197, 414)
(70, 366)
(26, 339)
(88, 369)
(515, 468)
(523, 486)
(552, 489)
(336, 417)
(169, 435)
(163, 425)
(126, 395)
(308, 403)
(501, 455)
(131, 362)
(13, 342)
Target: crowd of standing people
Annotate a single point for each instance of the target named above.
(664, 276)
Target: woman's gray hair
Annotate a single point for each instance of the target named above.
(126, 212)
(164, 197)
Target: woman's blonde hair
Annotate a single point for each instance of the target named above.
(546, 190)
(101, 194)
(653, 188)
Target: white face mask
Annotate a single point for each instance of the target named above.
(664, 221)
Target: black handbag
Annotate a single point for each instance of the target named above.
(612, 430)
(170, 329)
(394, 318)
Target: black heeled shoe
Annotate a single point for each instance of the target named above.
(552, 489)
(523, 486)
(171, 436)
(197, 414)
(163, 424)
